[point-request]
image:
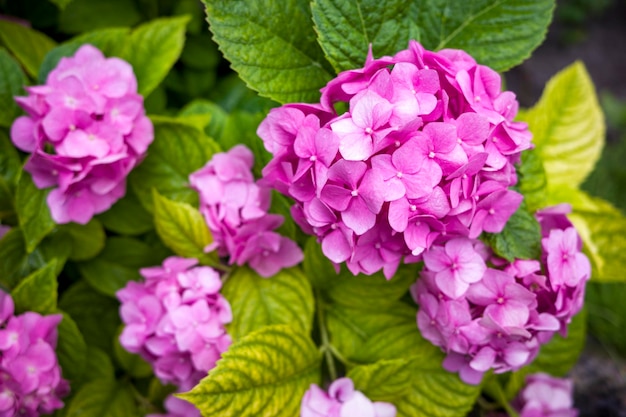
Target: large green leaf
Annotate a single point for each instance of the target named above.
(119, 263)
(602, 228)
(346, 29)
(385, 380)
(568, 127)
(96, 315)
(12, 79)
(520, 238)
(178, 150)
(71, 349)
(532, 180)
(32, 211)
(38, 291)
(86, 240)
(265, 373)
(86, 15)
(272, 46)
(153, 48)
(104, 398)
(182, 228)
(285, 298)
(498, 33)
(10, 164)
(27, 45)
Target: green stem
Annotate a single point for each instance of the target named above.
(501, 397)
(326, 346)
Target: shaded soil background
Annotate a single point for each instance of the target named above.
(593, 31)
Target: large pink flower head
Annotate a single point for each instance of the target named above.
(235, 208)
(546, 396)
(487, 313)
(342, 400)
(85, 129)
(426, 149)
(30, 376)
(175, 320)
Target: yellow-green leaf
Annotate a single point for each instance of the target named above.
(568, 126)
(28, 45)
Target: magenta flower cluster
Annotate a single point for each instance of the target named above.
(235, 208)
(487, 313)
(342, 400)
(546, 396)
(425, 150)
(175, 320)
(30, 376)
(86, 129)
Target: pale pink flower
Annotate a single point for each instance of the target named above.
(546, 396)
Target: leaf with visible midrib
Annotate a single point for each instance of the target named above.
(497, 33)
(271, 44)
(264, 374)
(568, 127)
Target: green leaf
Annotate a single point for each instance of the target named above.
(61, 4)
(104, 398)
(498, 33)
(110, 41)
(181, 227)
(27, 45)
(602, 228)
(132, 363)
(217, 115)
(285, 298)
(272, 47)
(38, 291)
(240, 128)
(568, 127)
(532, 180)
(86, 240)
(96, 315)
(557, 357)
(265, 374)
(10, 164)
(7, 210)
(119, 263)
(520, 238)
(71, 349)
(385, 380)
(346, 29)
(32, 211)
(16, 264)
(127, 216)
(98, 365)
(607, 313)
(153, 48)
(12, 79)
(86, 15)
(178, 150)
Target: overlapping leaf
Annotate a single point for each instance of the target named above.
(263, 374)
(12, 80)
(285, 298)
(38, 291)
(272, 46)
(26, 44)
(32, 211)
(71, 349)
(104, 398)
(520, 238)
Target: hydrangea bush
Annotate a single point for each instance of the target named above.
(355, 219)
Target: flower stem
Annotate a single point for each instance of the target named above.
(326, 346)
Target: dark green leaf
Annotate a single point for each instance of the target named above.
(27, 45)
(104, 398)
(285, 298)
(607, 313)
(98, 365)
(32, 211)
(520, 238)
(263, 374)
(86, 240)
(12, 79)
(38, 291)
(127, 216)
(71, 349)
(86, 15)
(272, 47)
(532, 180)
(10, 164)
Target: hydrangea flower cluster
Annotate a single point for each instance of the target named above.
(342, 400)
(175, 320)
(546, 396)
(235, 208)
(86, 129)
(487, 313)
(30, 376)
(425, 150)
(175, 407)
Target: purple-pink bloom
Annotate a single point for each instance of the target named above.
(85, 129)
(175, 320)
(426, 149)
(342, 400)
(546, 396)
(176, 407)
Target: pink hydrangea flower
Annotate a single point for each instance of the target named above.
(342, 400)
(176, 407)
(487, 313)
(85, 129)
(30, 377)
(175, 320)
(425, 151)
(235, 208)
(546, 396)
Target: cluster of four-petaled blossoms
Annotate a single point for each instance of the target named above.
(85, 129)
(425, 151)
(30, 377)
(487, 313)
